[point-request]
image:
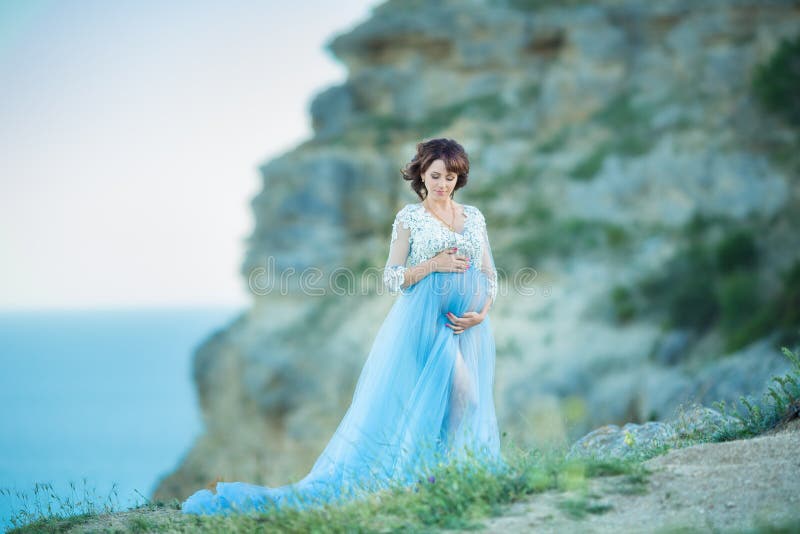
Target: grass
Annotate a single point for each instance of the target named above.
(752, 416)
(580, 507)
(45, 509)
(450, 495)
(454, 495)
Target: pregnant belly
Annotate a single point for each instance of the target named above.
(460, 292)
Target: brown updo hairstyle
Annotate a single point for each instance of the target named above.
(449, 151)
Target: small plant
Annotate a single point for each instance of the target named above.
(592, 164)
(622, 301)
(705, 286)
(780, 402)
(737, 252)
(738, 298)
(776, 81)
(555, 142)
(47, 510)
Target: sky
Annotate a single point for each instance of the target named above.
(131, 133)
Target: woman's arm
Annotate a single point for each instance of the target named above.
(488, 268)
(417, 272)
(394, 273)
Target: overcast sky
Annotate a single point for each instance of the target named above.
(131, 132)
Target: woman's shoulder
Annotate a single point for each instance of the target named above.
(406, 211)
(410, 206)
(407, 215)
(473, 211)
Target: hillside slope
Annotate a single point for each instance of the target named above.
(721, 487)
(730, 486)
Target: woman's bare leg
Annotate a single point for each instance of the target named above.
(463, 396)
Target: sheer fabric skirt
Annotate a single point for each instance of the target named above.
(424, 396)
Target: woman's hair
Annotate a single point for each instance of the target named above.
(449, 151)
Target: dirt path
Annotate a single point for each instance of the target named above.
(712, 487)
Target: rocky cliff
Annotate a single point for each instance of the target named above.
(642, 208)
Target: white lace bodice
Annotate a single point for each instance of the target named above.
(418, 236)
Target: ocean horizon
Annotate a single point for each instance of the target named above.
(98, 400)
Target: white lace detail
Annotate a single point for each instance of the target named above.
(393, 276)
(428, 236)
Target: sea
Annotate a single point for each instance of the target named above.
(96, 405)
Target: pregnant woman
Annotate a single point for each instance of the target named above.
(425, 393)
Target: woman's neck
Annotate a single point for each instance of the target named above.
(442, 205)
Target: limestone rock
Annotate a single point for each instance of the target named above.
(596, 131)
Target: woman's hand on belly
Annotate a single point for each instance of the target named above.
(447, 261)
(459, 324)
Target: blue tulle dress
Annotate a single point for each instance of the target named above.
(425, 393)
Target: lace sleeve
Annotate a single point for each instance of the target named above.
(487, 263)
(399, 246)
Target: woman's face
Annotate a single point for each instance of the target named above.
(439, 182)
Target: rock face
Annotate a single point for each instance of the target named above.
(596, 133)
(611, 441)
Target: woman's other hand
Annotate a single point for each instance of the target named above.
(459, 324)
(447, 261)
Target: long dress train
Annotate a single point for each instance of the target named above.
(424, 395)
